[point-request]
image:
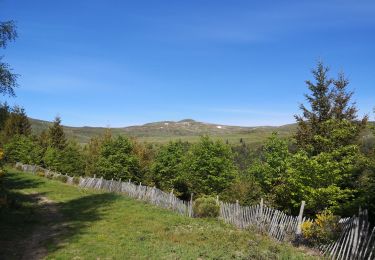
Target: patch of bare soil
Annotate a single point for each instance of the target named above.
(52, 227)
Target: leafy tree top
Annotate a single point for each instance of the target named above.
(8, 80)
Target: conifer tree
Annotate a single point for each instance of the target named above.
(330, 109)
(4, 114)
(56, 135)
(17, 123)
(319, 100)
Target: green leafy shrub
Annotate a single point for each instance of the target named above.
(23, 149)
(208, 167)
(324, 229)
(76, 180)
(117, 160)
(206, 207)
(62, 178)
(41, 174)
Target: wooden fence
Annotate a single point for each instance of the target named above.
(140, 192)
(356, 241)
(150, 194)
(265, 220)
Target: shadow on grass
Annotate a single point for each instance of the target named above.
(31, 225)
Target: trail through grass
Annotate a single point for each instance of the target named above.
(96, 225)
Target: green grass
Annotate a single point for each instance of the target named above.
(99, 225)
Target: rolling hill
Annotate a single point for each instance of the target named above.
(185, 130)
(164, 131)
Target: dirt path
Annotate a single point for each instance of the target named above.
(51, 228)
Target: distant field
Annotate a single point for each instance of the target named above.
(186, 130)
(57, 221)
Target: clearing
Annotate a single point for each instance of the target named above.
(49, 219)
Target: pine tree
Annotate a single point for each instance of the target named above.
(319, 100)
(56, 135)
(4, 114)
(17, 123)
(342, 109)
(330, 110)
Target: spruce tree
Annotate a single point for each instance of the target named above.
(56, 135)
(17, 123)
(4, 114)
(319, 100)
(331, 110)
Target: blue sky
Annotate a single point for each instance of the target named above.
(118, 63)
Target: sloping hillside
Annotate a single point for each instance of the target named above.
(188, 129)
(49, 219)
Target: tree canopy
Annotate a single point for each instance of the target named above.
(8, 80)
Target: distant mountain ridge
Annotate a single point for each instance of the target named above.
(163, 131)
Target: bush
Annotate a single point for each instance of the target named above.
(117, 160)
(41, 174)
(62, 178)
(23, 149)
(324, 229)
(206, 207)
(208, 167)
(76, 180)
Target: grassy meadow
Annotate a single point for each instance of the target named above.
(66, 222)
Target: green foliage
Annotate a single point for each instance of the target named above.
(322, 180)
(76, 180)
(323, 230)
(72, 159)
(145, 154)
(366, 188)
(4, 114)
(167, 167)
(246, 189)
(209, 167)
(91, 156)
(52, 158)
(69, 160)
(16, 123)
(23, 149)
(117, 160)
(325, 180)
(206, 207)
(330, 109)
(56, 135)
(272, 172)
(62, 178)
(8, 80)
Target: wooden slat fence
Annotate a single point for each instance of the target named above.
(149, 194)
(356, 241)
(266, 220)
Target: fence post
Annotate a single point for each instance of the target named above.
(299, 231)
(217, 199)
(170, 198)
(191, 205)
